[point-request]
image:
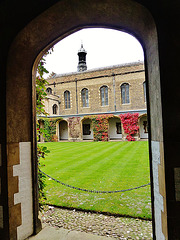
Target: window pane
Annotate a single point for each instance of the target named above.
(54, 109)
(67, 99)
(102, 96)
(83, 98)
(123, 94)
(106, 95)
(127, 93)
(87, 98)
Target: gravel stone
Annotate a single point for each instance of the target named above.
(117, 227)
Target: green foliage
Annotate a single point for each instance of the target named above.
(40, 96)
(42, 152)
(50, 129)
(101, 127)
(100, 124)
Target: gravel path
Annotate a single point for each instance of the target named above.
(99, 224)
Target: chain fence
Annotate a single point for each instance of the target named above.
(93, 191)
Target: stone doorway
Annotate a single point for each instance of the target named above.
(87, 130)
(63, 130)
(143, 127)
(40, 34)
(115, 129)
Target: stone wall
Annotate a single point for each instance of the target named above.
(93, 80)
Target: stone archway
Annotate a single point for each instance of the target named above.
(63, 130)
(51, 26)
(143, 126)
(87, 130)
(115, 128)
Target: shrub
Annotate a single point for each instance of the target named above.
(130, 124)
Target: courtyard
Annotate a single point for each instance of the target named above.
(99, 166)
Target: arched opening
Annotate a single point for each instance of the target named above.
(87, 130)
(115, 15)
(85, 97)
(67, 103)
(55, 108)
(115, 128)
(143, 126)
(104, 95)
(125, 93)
(49, 90)
(63, 130)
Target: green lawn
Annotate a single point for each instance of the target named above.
(100, 166)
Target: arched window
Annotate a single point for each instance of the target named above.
(49, 90)
(104, 95)
(55, 108)
(144, 87)
(85, 97)
(125, 93)
(67, 99)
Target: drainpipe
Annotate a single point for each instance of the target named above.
(114, 90)
(76, 97)
(59, 102)
(54, 87)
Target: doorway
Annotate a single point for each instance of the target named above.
(30, 42)
(63, 130)
(115, 129)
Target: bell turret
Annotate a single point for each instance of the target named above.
(82, 59)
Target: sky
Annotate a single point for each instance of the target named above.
(105, 47)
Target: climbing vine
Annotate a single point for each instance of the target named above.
(130, 124)
(40, 110)
(74, 126)
(100, 124)
(49, 130)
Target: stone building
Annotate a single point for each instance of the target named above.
(104, 91)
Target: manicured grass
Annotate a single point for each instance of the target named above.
(100, 166)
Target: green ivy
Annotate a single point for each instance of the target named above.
(40, 109)
(100, 125)
(50, 130)
(42, 152)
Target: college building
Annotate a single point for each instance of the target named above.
(75, 99)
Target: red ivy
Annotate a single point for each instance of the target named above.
(130, 124)
(73, 123)
(101, 127)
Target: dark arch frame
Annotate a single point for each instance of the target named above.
(59, 21)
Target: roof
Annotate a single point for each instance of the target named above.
(96, 69)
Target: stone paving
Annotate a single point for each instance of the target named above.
(98, 224)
